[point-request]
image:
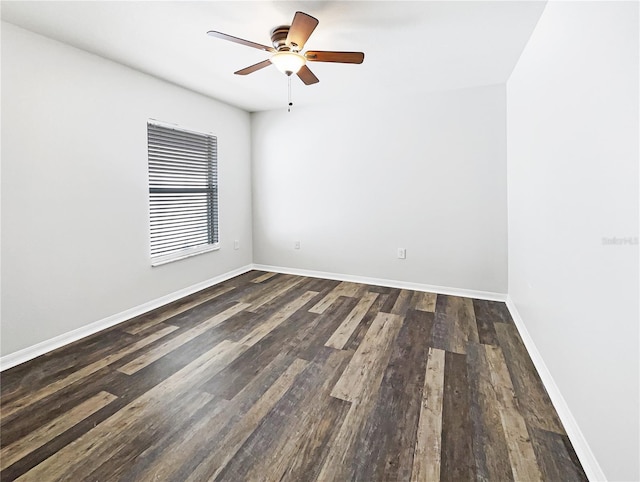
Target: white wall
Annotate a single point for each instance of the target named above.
(353, 183)
(572, 106)
(75, 245)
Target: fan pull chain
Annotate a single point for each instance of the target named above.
(290, 103)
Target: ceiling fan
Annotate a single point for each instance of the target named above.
(288, 42)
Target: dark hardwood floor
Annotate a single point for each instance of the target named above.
(270, 377)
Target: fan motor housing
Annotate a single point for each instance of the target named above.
(279, 38)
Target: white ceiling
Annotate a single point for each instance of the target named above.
(410, 47)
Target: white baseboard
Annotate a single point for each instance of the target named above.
(443, 290)
(583, 451)
(29, 353)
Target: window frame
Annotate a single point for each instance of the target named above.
(211, 190)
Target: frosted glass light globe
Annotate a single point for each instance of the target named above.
(288, 62)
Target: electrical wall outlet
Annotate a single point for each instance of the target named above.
(236, 244)
(296, 245)
(402, 253)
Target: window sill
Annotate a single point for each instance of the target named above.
(160, 260)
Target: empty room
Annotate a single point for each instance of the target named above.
(320, 240)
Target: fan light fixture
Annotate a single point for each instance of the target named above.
(288, 41)
(288, 62)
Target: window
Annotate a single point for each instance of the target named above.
(183, 192)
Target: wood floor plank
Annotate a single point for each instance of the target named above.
(230, 381)
(343, 289)
(457, 462)
(442, 327)
(176, 456)
(425, 301)
(51, 447)
(485, 322)
(556, 457)
(521, 454)
(390, 301)
(573, 456)
(229, 446)
(533, 399)
(363, 327)
(338, 462)
(455, 324)
(367, 360)
(402, 303)
(323, 286)
(310, 338)
(163, 457)
(386, 444)
(360, 384)
(261, 298)
(227, 383)
(48, 368)
(37, 438)
(341, 336)
(263, 277)
(427, 453)
(489, 444)
(274, 321)
(117, 466)
(307, 450)
(96, 444)
(466, 330)
(23, 403)
(56, 405)
(159, 316)
(155, 353)
(498, 312)
(294, 435)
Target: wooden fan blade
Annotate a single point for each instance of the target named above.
(307, 76)
(300, 31)
(341, 57)
(240, 41)
(254, 67)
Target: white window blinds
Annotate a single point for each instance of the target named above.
(183, 191)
